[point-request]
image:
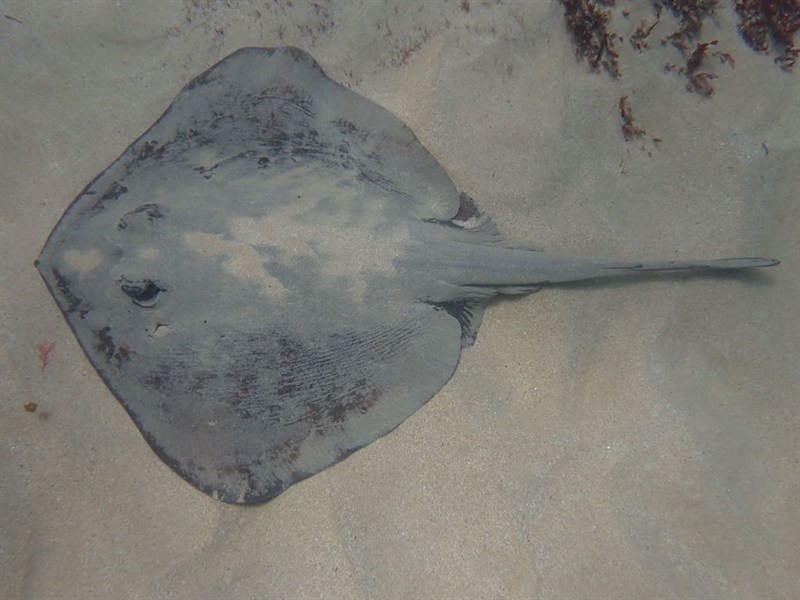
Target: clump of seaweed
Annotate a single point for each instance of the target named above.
(639, 37)
(776, 19)
(765, 24)
(629, 128)
(698, 55)
(589, 26)
(700, 81)
(691, 14)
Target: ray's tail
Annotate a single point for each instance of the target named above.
(513, 271)
(722, 264)
(546, 269)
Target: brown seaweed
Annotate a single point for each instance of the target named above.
(593, 40)
(775, 21)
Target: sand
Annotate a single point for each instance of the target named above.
(624, 440)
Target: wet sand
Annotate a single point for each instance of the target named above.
(633, 439)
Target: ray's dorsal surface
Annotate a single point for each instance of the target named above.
(277, 273)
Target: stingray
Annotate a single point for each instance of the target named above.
(277, 273)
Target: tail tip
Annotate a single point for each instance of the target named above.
(747, 263)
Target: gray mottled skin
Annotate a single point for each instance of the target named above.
(277, 273)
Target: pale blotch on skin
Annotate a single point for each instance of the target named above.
(83, 262)
(240, 260)
(149, 253)
(351, 253)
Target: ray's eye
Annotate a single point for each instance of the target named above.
(143, 293)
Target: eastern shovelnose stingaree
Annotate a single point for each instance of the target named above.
(277, 273)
